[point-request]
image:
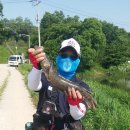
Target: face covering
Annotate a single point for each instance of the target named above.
(66, 67)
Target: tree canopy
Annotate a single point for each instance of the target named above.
(100, 42)
(1, 9)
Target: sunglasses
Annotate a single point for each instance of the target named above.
(66, 55)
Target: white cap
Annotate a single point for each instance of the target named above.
(71, 43)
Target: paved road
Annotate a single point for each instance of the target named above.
(16, 107)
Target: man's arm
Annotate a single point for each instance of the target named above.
(77, 111)
(34, 79)
(75, 100)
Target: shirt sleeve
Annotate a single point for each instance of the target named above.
(34, 79)
(77, 111)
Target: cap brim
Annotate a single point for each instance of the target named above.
(69, 47)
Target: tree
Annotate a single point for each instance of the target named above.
(51, 49)
(117, 45)
(56, 26)
(116, 53)
(94, 39)
(1, 9)
(98, 39)
(49, 19)
(14, 27)
(88, 55)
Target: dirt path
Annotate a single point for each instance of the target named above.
(16, 107)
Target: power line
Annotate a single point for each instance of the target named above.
(68, 9)
(14, 2)
(83, 13)
(35, 2)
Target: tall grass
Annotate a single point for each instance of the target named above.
(113, 109)
(25, 69)
(2, 86)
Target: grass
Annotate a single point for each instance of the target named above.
(21, 47)
(5, 52)
(113, 106)
(2, 87)
(113, 109)
(25, 69)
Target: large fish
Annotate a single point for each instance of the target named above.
(63, 84)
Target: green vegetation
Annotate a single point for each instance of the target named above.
(101, 42)
(2, 86)
(1, 9)
(25, 69)
(18, 48)
(113, 109)
(9, 48)
(4, 54)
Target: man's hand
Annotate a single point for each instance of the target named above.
(74, 97)
(74, 94)
(36, 56)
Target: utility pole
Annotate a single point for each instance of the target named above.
(36, 3)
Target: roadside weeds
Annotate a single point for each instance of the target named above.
(3, 86)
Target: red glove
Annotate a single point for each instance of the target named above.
(33, 60)
(74, 102)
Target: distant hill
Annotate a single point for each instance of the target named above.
(10, 48)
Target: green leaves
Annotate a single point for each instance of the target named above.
(1, 9)
(117, 45)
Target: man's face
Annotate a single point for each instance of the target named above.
(67, 61)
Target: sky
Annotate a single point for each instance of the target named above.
(116, 12)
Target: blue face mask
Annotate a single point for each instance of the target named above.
(66, 66)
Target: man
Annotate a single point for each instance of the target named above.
(57, 110)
